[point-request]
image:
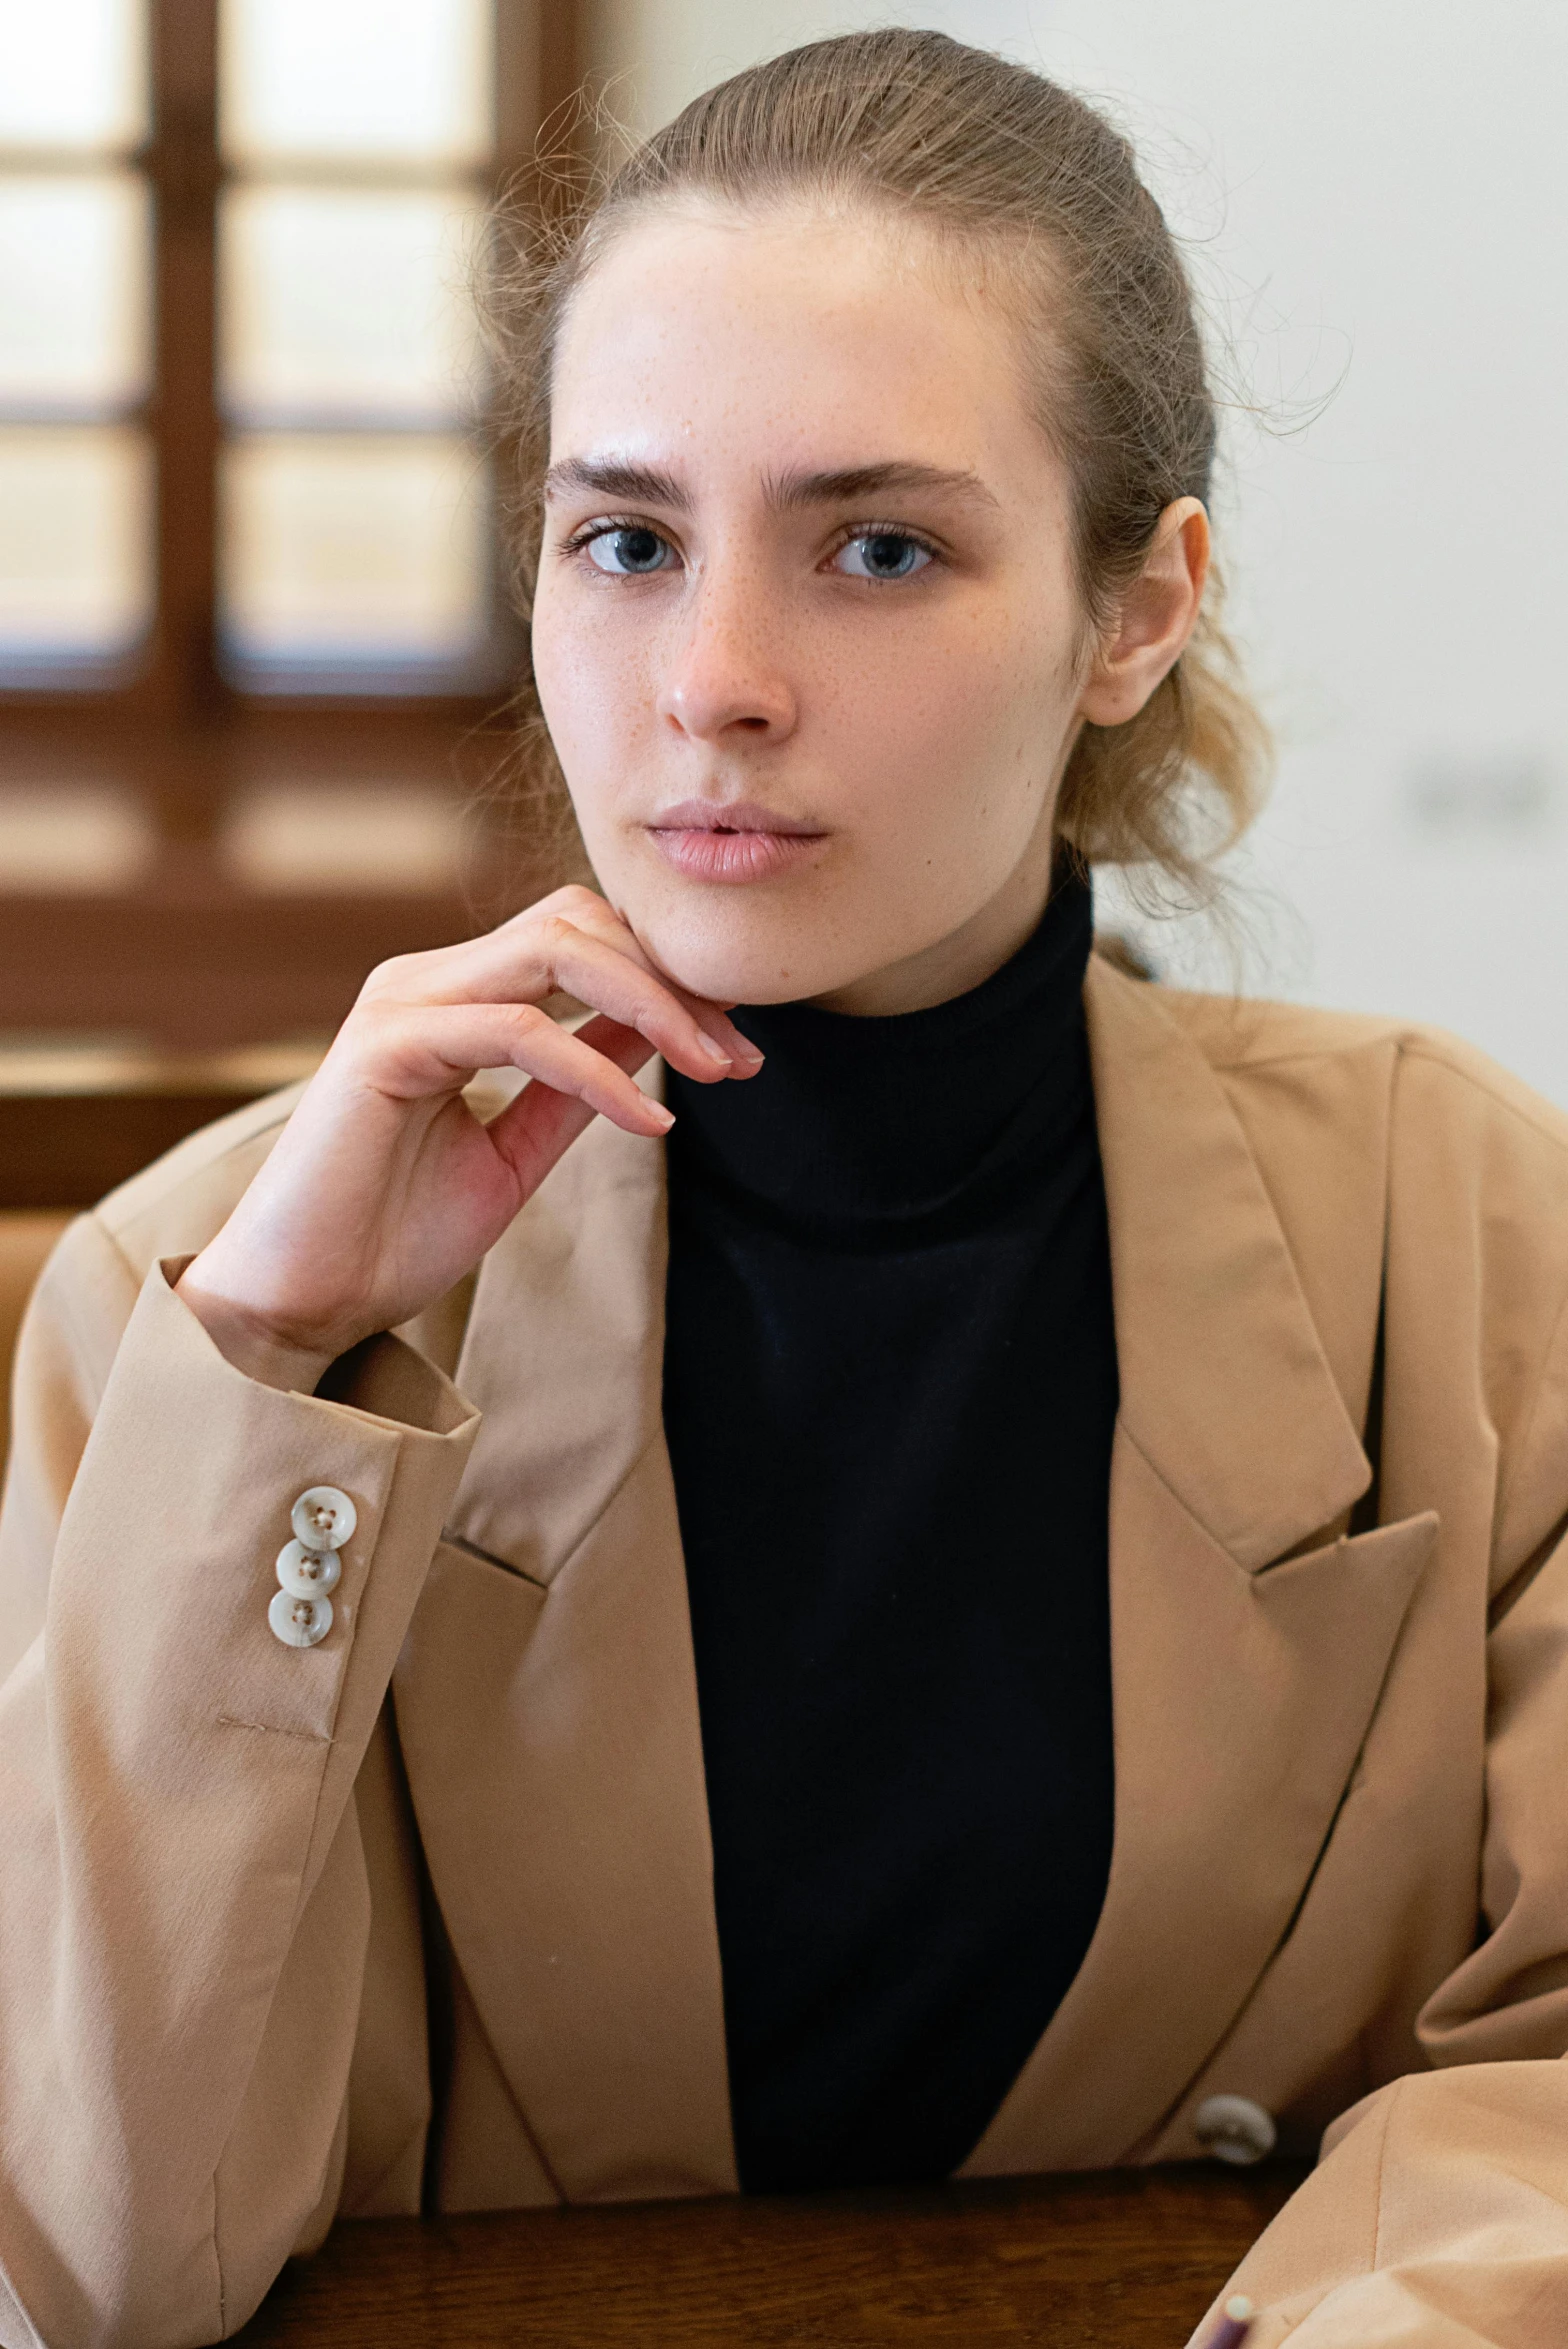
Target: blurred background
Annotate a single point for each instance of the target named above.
(253, 647)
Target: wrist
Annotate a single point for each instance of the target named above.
(250, 1341)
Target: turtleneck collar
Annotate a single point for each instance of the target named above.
(889, 1131)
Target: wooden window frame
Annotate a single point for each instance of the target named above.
(171, 728)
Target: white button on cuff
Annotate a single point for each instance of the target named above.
(299, 1623)
(323, 1518)
(1234, 2129)
(308, 1574)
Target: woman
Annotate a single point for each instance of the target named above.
(658, 1723)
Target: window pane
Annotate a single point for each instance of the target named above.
(327, 838)
(64, 836)
(73, 73)
(73, 290)
(346, 552)
(406, 79)
(348, 302)
(75, 541)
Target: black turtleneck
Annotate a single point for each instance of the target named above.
(889, 1389)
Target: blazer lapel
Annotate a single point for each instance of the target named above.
(1241, 1697)
(547, 1703)
(1225, 1386)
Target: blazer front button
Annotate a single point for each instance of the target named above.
(1234, 2129)
(323, 1518)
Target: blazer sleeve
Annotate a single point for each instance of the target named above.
(183, 1900)
(1438, 2217)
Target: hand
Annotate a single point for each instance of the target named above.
(384, 1188)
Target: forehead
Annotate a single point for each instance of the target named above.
(786, 336)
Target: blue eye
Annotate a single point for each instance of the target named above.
(629, 552)
(883, 554)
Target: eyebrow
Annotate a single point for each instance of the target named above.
(610, 477)
(784, 492)
(789, 491)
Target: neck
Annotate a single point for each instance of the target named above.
(967, 956)
(862, 1129)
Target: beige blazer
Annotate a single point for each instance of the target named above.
(253, 1898)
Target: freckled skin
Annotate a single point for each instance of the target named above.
(900, 730)
(922, 724)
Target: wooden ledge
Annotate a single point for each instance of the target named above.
(75, 1120)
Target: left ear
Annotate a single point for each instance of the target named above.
(1157, 614)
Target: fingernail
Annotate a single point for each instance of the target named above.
(665, 1117)
(747, 1052)
(714, 1051)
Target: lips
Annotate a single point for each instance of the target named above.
(732, 841)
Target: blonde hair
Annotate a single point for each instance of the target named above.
(1008, 170)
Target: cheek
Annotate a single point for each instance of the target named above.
(957, 724)
(593, 687)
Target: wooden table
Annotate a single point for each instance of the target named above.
(1118, 2261)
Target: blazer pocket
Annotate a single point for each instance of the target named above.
(1337, 1614)
(1389, 1557)
(458, 1677)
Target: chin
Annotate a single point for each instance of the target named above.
(745, 961)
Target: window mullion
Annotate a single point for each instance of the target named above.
(184, 167)
(538, 50)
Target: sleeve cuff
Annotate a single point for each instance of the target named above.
(166, 1565)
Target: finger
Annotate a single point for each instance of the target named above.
(619, 984)
(696, 1037)
(437, 1048)
(511, 963)
(556, 946)
(589, 918)
(629, 1050)
(541, 1125)
(611, 929)
(595, 915)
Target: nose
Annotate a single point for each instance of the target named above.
(725, 678)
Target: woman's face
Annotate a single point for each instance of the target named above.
(806, 634)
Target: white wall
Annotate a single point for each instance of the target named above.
(1379, 199)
